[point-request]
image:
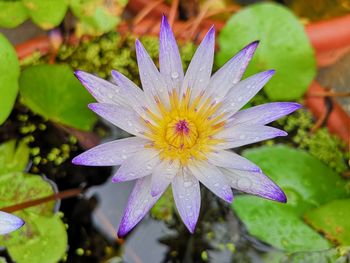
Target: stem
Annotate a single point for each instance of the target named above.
(60, 195)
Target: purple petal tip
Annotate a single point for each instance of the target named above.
(253, 45)
(279, 196)
(282, 133)
(122, 232)
(76, 161)
(271, 72)
(297, 106)
(115, 179)
(229, 197)
(92, 106)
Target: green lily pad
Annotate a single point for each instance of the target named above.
(96, 16)
(47, 243)
(277, 224)
(53, 92)
(307, 182)
(13, 13)
(9, 73)
(43, 238)
(332, 219)
(12, 158)
(46, 14)
(284, 46)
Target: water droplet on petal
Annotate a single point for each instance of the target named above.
(174, 75)
(187, 184)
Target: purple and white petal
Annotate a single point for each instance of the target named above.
(243, 91)
(163, 174)
(187, 197)
(102, 90)
(169, 57)
(9, 223)
(213, 179)
(122, 117)
(242, 134)
(111, 153)
(254, 183)
(229, 159)
(199, 71)
(138, 165)
(132, 93)
(152, 82)
(231, 73)
(139, 203)
(263, 114)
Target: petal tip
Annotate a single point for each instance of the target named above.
(271, 72)
(116, 179)
(92, 106)
(296, 106)
(282, 133)
(122, 231)
(164, 21)
(229, 196)
(76, 160)
(253, 45)
(280, 196)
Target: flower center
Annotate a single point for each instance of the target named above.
(181, 133)
(184, 130)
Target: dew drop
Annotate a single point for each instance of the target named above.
(174, 75)
(242, 136)
(138, 213)
(187, 184)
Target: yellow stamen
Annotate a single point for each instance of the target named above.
(183, 132)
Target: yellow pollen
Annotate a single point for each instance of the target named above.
(184, 131)
(181, 133)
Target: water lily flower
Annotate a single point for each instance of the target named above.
(183, 127)
(9, 223)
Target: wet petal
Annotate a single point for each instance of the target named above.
(122, 117)
(255, 183)
(229, 159)
(199, 71)
(111, 153)
(264, 114)
(102, 90)
(243, 91)
(241, 134)
(231, 73)
(213, 179)
(9, 223)
(137, 165)
(152, 82)
(169, 57)
(133, 94)
(139, 203)
(162, 175)
(187, 197)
